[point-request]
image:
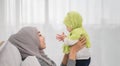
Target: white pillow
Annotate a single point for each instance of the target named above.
(30, 61)
(9, 55)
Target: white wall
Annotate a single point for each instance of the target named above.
(2, 24)
(111, 54)
(110, 33)
(111, 11)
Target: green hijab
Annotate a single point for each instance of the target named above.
(73, 20)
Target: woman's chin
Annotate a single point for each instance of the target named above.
(43, 47)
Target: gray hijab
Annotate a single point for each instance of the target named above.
(27, 41)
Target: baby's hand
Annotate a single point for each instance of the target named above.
(60, 37)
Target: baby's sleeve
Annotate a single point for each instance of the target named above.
(72, 38)
(69, 42)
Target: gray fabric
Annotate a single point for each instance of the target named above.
(62, 64)
(27, 41)
(44, 64)
(30, 61)
(70, 63)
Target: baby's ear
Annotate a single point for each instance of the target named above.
(82, 35)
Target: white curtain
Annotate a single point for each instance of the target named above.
(20, 13)
(32, 11)
(48, 15)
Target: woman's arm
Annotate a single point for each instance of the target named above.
(70, 60)
(75, 48)
(65, 60)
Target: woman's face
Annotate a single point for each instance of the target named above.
(42, 41)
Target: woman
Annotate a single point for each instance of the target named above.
(30, 42)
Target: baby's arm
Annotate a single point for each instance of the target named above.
(73, 37)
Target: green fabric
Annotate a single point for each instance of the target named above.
(76, 35)
(74, 20)
(66, 49)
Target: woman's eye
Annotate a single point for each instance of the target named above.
(40, 35)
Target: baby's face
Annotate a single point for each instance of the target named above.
(69, 28)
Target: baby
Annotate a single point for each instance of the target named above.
(73, 23)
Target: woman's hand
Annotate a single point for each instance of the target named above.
(79, 45)
(75, 48)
